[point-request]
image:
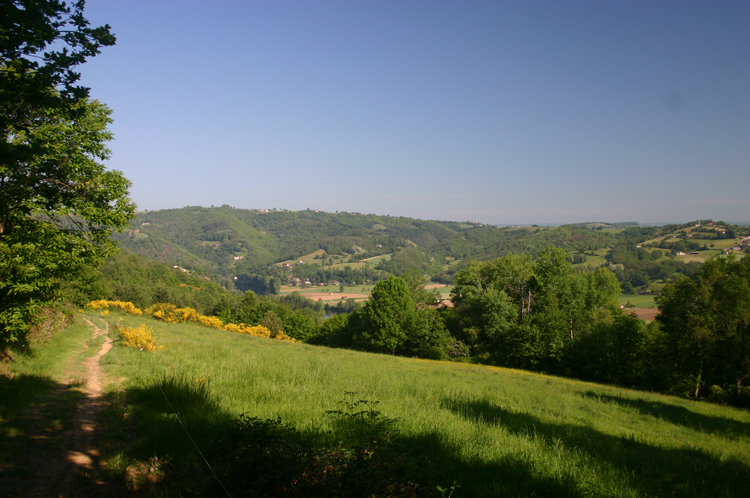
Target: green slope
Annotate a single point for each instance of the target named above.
(227, 241)
(498, 432)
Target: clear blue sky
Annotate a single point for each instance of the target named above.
(500, 112)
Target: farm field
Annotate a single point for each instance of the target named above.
(377, 259)
(329, 293)
(593, 261)
(639, 300)
(307, 258)
(497, 432)
(341, 262)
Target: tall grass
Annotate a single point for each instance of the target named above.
(496, 431)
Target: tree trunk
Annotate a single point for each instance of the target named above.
(698, 384)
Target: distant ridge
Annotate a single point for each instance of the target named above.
(226, 242)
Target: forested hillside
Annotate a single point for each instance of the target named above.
(130, 277)
(252, 245)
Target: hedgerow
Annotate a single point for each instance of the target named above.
(170, 313)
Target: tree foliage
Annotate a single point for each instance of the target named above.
(707, 324)
(387, 317)
(58, 204)
(517, 312)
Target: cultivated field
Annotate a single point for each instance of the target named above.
(330, 293)
(638, 300)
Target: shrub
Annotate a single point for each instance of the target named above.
(126, 306)
(271, 458)
(257, 331)
(139, 338)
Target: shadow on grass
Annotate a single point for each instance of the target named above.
(678, 415)
(507, 477)
(149, 429)
(20, 391)
(36, 416)
(648, 469)
(256, 457)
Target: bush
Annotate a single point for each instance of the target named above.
(139, 338)
(272, 458)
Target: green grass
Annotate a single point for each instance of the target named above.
(724, 243)
(639, 300)
(307, 258)
(498, 432)
(377, 259)
(445, 292)
(345, 260)
(37, 404)
(352, 289)
(49, 359)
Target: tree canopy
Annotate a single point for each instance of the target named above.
(58, 203)
(707, 324)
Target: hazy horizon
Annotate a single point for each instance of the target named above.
(540, 224)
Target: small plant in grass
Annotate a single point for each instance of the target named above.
(143, 476)
(272, 458)
(139, 338)
(450, 490)
(77, 382)
(363, 428)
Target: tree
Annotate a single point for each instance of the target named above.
(387, 317)
(272, 322)
(707, 321)
(428, 337)
(58, 204)
(419, 294)
(515, 312)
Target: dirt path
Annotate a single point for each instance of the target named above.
(56, 472)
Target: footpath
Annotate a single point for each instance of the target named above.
(56, 453)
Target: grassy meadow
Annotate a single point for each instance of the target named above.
(339, 260)
(637, 300)
(497, 432)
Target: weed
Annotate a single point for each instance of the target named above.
(77, 382)
(363, 428)
(271, 458)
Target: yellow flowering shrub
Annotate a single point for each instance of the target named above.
(139, 338)
(126, 306)
(165, 312)
(99, 304)
(211, 321)
(172, 314)
(257, 331)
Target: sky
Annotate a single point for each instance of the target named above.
(505, 112)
